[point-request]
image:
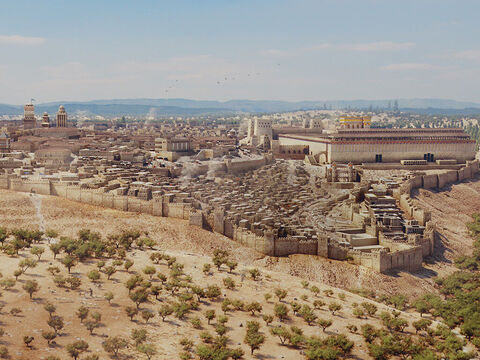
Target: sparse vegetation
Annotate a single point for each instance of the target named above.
(160, 289)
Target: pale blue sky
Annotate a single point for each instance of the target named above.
(267, 49)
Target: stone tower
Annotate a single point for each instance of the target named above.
(29, 120)
(351, 172)
(251, 127)
(4, 143)
(61, 117)
(316, 124)
(263, 127)
(45, 121)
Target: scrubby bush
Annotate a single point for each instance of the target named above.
(139, 336)
(253, 338)
(324, 323)
(280, 294)
(229, 283)
(31, 287)
(49, 336)
(254, 274)
(131, 311)
(82, 313)
(114, 344)
(281, 311)
(147, 315)
(334, 307)
(164, 311)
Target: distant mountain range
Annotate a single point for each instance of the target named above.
(186, 107)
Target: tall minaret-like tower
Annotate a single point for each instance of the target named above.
(61, 117)
(29, 120)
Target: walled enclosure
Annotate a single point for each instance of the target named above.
(265, 243)
(394, 152)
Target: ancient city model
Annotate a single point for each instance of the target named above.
(313, 185)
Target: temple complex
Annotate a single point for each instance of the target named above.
(356, 142)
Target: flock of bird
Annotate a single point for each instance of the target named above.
(226, 78)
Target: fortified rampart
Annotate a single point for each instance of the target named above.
(438, 181)
(166, 206)
(240, 166)
(382, 260)
(264, 241)
(99, 197)
(432, 181)
(409, 253)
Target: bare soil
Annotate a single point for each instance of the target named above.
(451, 209)
(192, 247)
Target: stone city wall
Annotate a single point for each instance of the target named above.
(241, 166)
(371, 260)
(407, 259)
(382, 261)
(99, 197)
(438, 181)
(337, 252)
(433, 181)
(411, 207)
(426, 244)
(196, 218)
(262, 241)
(448, 177)
(430, 181)
(248, 238)
(36, 186)
(266, 243)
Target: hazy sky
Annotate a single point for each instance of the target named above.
(267, 49)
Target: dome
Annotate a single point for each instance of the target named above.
(45, 114)
(61, 107)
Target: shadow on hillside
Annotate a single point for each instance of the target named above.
(440, 249)
(263, 356)
(423, 273)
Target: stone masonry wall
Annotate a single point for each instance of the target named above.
(410, 259)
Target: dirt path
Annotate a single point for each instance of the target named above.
(37, 203)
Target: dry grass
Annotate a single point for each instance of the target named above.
(192, 247)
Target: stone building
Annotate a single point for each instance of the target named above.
(53, 156)
(4, 143)
(365, 145)
(172, 144)
(316, 124)
(45, 121)
(29, 120)
(362, 122)
(259, 132)
(61, 117)
(263, 127)
(171, 148)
